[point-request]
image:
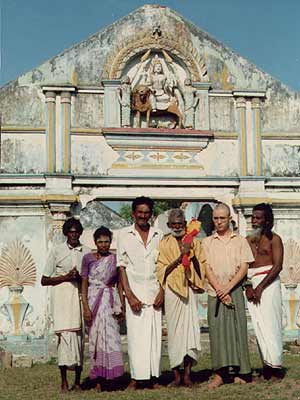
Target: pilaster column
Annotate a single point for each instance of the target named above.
(65, 131)
(58, 219)
(112, 108)
(59, 196)
(202, 119)
(242, 127)
(50, 130)
(256, 125)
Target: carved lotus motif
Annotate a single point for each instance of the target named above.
(291, 263)
(17, 266)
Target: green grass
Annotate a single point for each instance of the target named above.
(42, 382)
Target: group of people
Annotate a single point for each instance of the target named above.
(148, 274)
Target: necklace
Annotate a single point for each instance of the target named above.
(257, 243)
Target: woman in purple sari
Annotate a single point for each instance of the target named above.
(102, 307)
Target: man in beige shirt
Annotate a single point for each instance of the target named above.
(62, 272)
(228, 255)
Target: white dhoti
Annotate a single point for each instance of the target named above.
(66, 311)
(69, 349)
(267, 317)
(144, 342)
(66, 307)
(183, 327)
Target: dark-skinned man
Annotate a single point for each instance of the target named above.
(137, 251)
(180, 284)
(62, 271)
(264, 291)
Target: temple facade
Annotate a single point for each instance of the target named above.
(151, 105)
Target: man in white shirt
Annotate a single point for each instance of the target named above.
(62, 271)
(137, 252)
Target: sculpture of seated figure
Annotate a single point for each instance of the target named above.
(161, 87)
(155, 88)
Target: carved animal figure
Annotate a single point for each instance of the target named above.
(141, 104)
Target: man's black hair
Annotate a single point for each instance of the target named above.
(70, 223)
(269, 218)
(142, 200)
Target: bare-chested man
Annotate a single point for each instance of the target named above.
(264, 292)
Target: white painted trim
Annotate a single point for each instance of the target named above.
(250, 93)
(220, 93)
(58, 89)
(91, 91)
(167, 182)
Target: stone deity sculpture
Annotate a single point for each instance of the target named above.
(159, 77)
(161, 85)
(155, 84)
(124, 95)
(190, 103)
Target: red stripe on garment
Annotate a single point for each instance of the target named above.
(262, 273)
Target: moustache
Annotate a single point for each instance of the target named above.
(178, 232)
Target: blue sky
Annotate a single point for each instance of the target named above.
(265, 32)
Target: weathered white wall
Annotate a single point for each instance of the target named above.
(30, 229)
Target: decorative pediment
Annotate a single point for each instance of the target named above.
(155, 41)
(156, 75)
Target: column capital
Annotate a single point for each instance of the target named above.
(255, 103)
(50, 97)
(65, 97)
(201, 86)
(111, 82)
(58, 216)
(241, 102)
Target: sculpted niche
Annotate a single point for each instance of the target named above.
(157, 75)
(156, 89)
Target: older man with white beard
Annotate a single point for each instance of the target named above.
(264, 291)
(180, 284)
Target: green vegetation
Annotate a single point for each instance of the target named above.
(159, 207)
(42, 382)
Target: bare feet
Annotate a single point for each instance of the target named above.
(98, 388)
(275, 378)
(177, 378)
(156, 386)
(155, 383)
(174, 383)
(76, 387)
(216, 382)
(64, 387)
(187, 381)
(132, 385)
(239, 380)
